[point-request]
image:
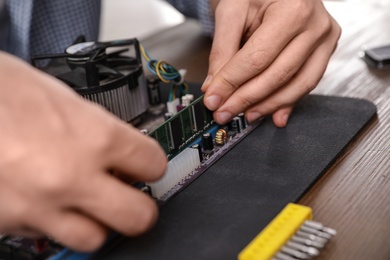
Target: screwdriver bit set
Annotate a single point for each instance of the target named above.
(291, 235)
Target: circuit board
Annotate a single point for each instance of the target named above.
(177, 132)
(193, 142)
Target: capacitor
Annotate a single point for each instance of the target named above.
(220, 137)
(199, 148)
(154, 92)
(244, 123)
(225, 127)
(236, 124)
(207, 142)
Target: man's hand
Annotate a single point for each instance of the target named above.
(287, 47)
(56, 155)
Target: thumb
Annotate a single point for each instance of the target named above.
(281, 116)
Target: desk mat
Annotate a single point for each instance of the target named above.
(225, 208)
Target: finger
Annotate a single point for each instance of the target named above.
(227, 39)
(256, 55)
(275, 76)
(122, 147)
(302, 83)
(117, 205)
(72, 229)
(280, 117)
(134, 154)
(13, 217)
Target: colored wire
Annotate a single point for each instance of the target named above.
(167, 74)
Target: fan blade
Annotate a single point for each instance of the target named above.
(123, 61)
(76, 78)
(118, 43)
(35, 58)
(116, 54)
(106, 71)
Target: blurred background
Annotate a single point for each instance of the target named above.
(136, 18)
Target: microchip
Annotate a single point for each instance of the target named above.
(162, 135)
(186, 123)
(199, 115)
(208, 115)
(177, 133)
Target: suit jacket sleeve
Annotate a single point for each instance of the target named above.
(198, 9)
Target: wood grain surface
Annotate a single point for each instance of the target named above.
(354, 195)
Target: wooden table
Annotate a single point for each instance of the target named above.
(354, 195)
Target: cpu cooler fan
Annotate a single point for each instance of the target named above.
(113, 80)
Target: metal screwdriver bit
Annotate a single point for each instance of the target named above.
(282, 256)
(308, 242)
(320, 226)
(315, 232)
(295, 253)
(306, 249)
(311, 237)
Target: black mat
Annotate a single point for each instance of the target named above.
(225, 208)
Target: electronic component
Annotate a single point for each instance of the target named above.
(235, 125)
(169, 74)
(220, 137)
(154, 92)
(172, 106)
(244, 122)
(199, 149)
(187, 123)
(187, 99)
(177, 133)
(112, 80)
(178, 169)
(290, 236)
(181, 130)
(207, 142)
(180, 137)
(200, 118)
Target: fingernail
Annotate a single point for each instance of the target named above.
(206, 82)
(223, 117)
(285, 118)
(252, 116)
(212, 102)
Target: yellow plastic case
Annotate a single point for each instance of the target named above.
(277, 233)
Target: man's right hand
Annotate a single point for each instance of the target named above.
(56, 154)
